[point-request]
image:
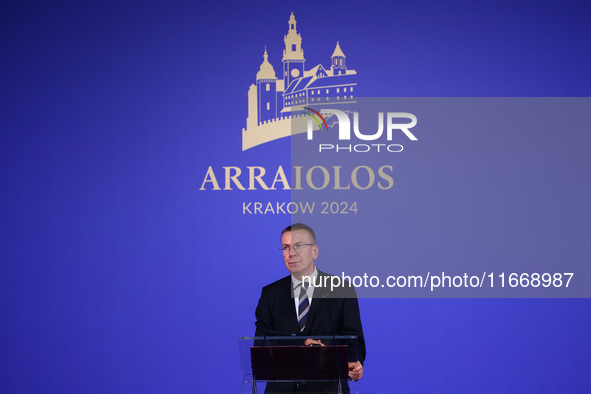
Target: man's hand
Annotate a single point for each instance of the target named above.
(355, 370)
(312, 342)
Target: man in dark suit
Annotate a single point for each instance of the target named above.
(299, 305)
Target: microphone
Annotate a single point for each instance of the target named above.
(268, 332)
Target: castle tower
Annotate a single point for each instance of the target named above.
(293, 54)
(338, 61)
(266, 91)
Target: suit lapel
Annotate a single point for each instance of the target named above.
(318, 305)
(288, 304)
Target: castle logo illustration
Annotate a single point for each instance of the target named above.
(274, 102)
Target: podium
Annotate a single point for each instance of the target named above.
(285, 359)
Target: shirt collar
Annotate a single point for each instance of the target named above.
(295, 282)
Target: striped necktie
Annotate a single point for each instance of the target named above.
(303, 307)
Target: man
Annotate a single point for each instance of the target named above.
(290, 307)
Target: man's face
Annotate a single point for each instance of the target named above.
(300, 263)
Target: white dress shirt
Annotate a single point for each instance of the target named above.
(296, 292)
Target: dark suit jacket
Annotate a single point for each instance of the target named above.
(276, 315)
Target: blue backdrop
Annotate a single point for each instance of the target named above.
(118, 275)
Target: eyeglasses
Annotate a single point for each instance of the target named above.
(296, 248)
